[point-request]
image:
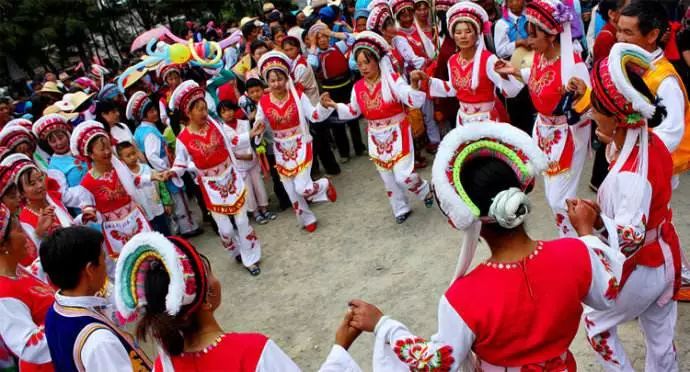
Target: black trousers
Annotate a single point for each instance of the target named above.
(338, 128)
(278, 188)
(323, 152)
(521, 111)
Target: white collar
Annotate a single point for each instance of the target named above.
(80, 301)
(513, 16)
(65, 155)
(144, 122)
(658, 53)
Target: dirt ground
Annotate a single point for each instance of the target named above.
(359, 251)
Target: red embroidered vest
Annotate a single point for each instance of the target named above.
(281, 117)
(462, 80)
(528, 312)
(108, 192)
(239, 352)
(545, 84)
(207, 150)
(371, 103)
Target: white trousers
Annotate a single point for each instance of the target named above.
(242, 241)
(402, 178)
(563, 186)
(256, 189)
(300, 189)
(182, 214)
(638, 299)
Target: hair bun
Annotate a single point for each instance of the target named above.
(509, 208)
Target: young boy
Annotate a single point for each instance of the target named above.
(158, 203)
(247, 164)
(79, 335)
(248, 103)
(142, 110)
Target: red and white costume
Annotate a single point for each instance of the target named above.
(111, 194)
(388, 131)
(565, 145)
(527, 325)
(473, 82)
(208, 154)
(635, 208)
(292, 143)
(24, 301)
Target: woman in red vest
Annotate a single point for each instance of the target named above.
(520, 309)
(24, 300)
(383, 97)
(174, 289)
(471, 71)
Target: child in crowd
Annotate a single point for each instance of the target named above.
(157, 202)
(248, 103)
(80, 336)
(247, 164)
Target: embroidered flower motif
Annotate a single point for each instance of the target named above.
(546, 143)
(556, 364)
(227, 189)
(296, 208)
(560, 223)
(123, 237)
(588, 323)
(630, 238)
(36, 337)
(612, 289)
(416, 353)
(601, 346)
(385, 146)
(289, 150)
(545, 79)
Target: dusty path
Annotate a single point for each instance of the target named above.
(360, 252)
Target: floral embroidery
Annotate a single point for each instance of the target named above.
(251, 237)
(207, 146)
(110, 190)
(601, 346)
(613, 287)
(416, 353)
(385, 146)
(588, 323)
(291, 151)
(124, 237)
(630, 237)
(36, 337)
(561, 223)
(370, 100)
(546, 143)
(545, 79)
(286, 118)
(227, 189)
(296, 208)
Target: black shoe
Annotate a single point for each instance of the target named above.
(254, 270)
(402, 218)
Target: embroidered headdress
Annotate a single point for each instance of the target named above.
(379, 12)
(184, 96)
(24, 123)
(83, 134)
(483, 139)
(12, 136)
(6, 179)
(185, 267)
(50, 123)
(399, 5)
(18, 164)
(137, 105)
(274, 60)
(164, 69)
(475, 15)
(555, 18)
(444, 5)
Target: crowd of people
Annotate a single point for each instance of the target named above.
(97, 174)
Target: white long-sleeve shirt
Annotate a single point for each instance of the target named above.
(504, 47)
(672, 128)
